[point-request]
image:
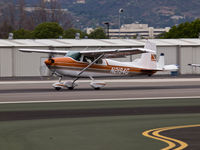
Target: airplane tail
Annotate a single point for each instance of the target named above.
(148, 60)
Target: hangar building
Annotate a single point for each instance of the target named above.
(14, 63)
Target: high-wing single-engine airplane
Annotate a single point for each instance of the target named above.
(96, 63)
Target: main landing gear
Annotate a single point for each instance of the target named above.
(71, 84)
(96, 84)
(67, 84)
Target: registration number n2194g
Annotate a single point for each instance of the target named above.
(120, 70)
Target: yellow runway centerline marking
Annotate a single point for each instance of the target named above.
(172, 143)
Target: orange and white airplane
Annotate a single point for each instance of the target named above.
(96, 63)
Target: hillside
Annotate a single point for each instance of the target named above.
(157, 13)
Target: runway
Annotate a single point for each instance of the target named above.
(115, 90)
(15, 91)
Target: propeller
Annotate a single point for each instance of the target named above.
(45, 68)
(50, 58)
(45, 71)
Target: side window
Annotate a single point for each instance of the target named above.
(91, 59)
(99, 61)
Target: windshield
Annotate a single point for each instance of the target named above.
(74, 54)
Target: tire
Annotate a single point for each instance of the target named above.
(57, 88)
(70, 88)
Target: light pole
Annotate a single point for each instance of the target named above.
(107, 24)
(120, 11)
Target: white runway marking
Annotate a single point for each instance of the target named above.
(111, 81)
(97, 100)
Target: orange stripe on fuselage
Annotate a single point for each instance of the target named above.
(67, 61)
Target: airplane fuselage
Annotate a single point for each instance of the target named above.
(67, 66)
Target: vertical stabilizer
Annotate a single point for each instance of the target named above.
(148, 60)
(150, 45)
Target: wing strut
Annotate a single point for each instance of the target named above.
(78, 76)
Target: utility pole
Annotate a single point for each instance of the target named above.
(108, 26)
(120, 11)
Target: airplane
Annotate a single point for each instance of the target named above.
(194, 65)
(98, 63)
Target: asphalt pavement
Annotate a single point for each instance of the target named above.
(115, 89)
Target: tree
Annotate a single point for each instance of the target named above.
(23, 34)
(48, 30)
(51, 11)
(71, 33)
(184, 30)
(5, 29)
(17, 15)
(22, 15)
(98, 33)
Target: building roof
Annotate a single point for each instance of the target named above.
(95, 42)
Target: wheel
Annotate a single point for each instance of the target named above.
(57, 88)
(70, 88)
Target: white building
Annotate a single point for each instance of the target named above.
(14, 63)
(135, 30)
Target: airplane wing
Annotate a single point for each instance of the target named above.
(194, 65)
(110, 53)
(43, 51)
(116, 53)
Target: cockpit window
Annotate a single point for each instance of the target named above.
(88, 59)
(91, 59)
(74, 54)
